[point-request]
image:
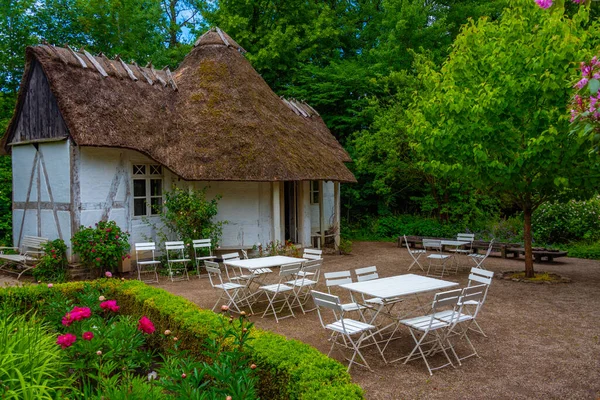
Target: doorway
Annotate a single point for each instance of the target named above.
(290, 195)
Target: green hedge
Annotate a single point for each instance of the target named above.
(288, 369)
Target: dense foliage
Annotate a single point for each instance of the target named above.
(285, 368)
(52, 266)
(102, 246)
(189, 215)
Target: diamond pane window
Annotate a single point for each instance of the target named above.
(155, 170)
(147, 189)
(139, 170)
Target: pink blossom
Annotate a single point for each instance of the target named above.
(76, 314)
(108, 274)
(87, 335)
(544, 3)
(109, 305)
(66, 340)
(50, 285)
(581, 84)
(145, 325)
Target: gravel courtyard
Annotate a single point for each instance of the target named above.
(543, 340)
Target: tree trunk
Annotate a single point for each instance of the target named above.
(527, 211)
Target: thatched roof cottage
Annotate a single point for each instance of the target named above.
(94, 138)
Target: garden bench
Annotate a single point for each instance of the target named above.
(32, 248)
(539, 254)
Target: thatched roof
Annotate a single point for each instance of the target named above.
(214, 118)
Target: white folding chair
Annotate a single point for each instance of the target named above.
(462, 321)
(436, 259)
(232, 292)
(464, 250)
(145, 261)
(344, 328)
(177, 261)
(415, 254)
(201, 248)
(333, 279)
(434, 330)
(311, 255)
(304, 282)
(280, 293)
(478, 259)
(476, 277)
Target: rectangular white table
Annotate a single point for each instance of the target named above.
(391, 290)
(264, 262)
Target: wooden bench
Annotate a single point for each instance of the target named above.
(32, 248)
(539, 255)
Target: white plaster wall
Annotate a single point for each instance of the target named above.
(246, 208)
(328, 208)
(98, 167)
(56, 157)
(22, 163)
(305, 212)
(57, 161)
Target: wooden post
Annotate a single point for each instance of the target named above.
(276, 211)
(336, 215)
(321, 215)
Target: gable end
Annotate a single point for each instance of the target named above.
(38, 118)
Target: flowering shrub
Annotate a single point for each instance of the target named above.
(53, 264)
(585, 108)
(277, 248)
(548, 3)
(565, 222)
(103, 246)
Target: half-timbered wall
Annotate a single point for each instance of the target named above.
(39, 118)
(42, 191)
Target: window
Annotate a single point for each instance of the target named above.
(314, 192)
(147, 189)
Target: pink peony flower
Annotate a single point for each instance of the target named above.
(145, 325)
(76, 314)
(66, 340)
(50, 285)
(109, 305)
(544, 3)
(87, 335)
(108, 274)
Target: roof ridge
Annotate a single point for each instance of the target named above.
(225, 39)
(98, 63)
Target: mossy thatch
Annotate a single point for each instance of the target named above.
(220, 121)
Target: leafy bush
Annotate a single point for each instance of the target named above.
(345, 246)
(584, 249)
(101, 247)
(278, 248)
(287, 369)
(189, 215)
(31, 365)
(392, 226)
(564, 222)
(52, 266)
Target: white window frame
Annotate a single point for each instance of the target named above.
(148, 177)
(314, 190)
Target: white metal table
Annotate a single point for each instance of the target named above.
(253, 264)
(390, 290)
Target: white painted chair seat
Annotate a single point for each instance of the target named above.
(206, 258)
(422, 323)
(229, 286)
(349, 326)
(301, 282)
(449, 316)
(352, 307)
(478, 256)
(438, 256)
(276, 288)
(148, 262)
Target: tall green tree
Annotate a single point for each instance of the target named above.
(495, 112)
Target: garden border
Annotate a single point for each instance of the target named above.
(288, 369)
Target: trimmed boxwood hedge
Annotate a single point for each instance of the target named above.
(288, 369)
